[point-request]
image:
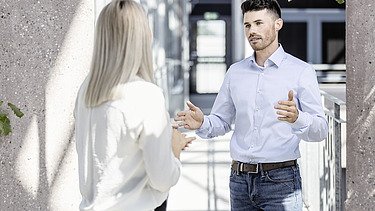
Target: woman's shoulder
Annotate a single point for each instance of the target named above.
(141, 93)
(141, 88)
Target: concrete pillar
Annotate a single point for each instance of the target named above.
(238, 41)
(360, 56)
(45, 53)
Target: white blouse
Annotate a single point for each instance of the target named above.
(125, 158)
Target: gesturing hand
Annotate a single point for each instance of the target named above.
(179, 142)
(190, 119)
(287, 110)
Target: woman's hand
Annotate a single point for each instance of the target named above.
(179, 142)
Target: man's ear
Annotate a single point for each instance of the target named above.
(278, 24)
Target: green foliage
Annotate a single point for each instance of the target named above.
(5, 127)
(15, 110)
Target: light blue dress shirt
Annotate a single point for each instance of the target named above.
(247, 97)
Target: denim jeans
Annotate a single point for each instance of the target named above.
(274, 190)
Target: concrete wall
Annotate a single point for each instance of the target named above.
(360, 105)
(45, 52)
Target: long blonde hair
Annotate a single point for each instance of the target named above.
(122, 50)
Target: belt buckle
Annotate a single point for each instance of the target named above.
(239, 167)
(256, 169)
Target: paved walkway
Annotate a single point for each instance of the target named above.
(204, 184)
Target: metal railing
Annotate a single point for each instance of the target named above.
(330, 73)
(332, 181)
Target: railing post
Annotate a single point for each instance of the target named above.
(332, 179)
(337, 139)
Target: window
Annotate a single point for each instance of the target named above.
(333, 38)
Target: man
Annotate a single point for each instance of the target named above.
(274, 100)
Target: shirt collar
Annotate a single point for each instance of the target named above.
(276, 58)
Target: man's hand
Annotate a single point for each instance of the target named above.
(287, 110)
(191, 119)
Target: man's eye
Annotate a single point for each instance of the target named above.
(259, 23)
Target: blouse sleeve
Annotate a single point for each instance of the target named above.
(161, 166)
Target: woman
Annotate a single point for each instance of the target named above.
(128, 153)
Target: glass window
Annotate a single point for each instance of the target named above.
(211, 51)
(210, 76)
(211, 38)
(333, 38)
(293, 38)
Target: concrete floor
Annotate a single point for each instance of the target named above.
(204, 184)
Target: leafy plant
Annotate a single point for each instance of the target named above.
(5, 127)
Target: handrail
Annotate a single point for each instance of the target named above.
(332, 98)
(332, 182)
(329, 67)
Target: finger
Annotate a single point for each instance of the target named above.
(191, 106)
(181, 123)
(190, 139)
(180, 118)
(286, 119)
(287, 103)
(284, 107)
(290, 95)
(182, 113)
(284, 114)
(174, 125)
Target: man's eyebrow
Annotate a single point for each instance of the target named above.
(258, 20)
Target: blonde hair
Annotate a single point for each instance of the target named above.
(122, 50)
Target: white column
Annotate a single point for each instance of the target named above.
(238, 44)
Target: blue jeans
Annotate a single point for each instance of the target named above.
(274, 190)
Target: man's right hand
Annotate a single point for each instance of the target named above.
(192, 118)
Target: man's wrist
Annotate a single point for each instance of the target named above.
(301, 120)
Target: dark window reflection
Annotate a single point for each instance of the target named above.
(293, 38)
(333, 35)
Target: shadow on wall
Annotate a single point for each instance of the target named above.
(42, 64)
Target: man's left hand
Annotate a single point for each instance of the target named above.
(287, 110)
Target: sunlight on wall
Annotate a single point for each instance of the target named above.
(27, 163)
(71, 67)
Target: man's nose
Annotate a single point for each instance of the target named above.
(251, 33)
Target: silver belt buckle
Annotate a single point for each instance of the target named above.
(239, 167)
(256, 169)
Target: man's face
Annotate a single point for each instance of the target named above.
(261, 28)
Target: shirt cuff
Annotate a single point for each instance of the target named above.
(205, 125)
(178, 162)
(204, 130)
(302, 121)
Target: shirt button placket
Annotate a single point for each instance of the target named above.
(257, 114)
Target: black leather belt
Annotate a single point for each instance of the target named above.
(254, 168)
